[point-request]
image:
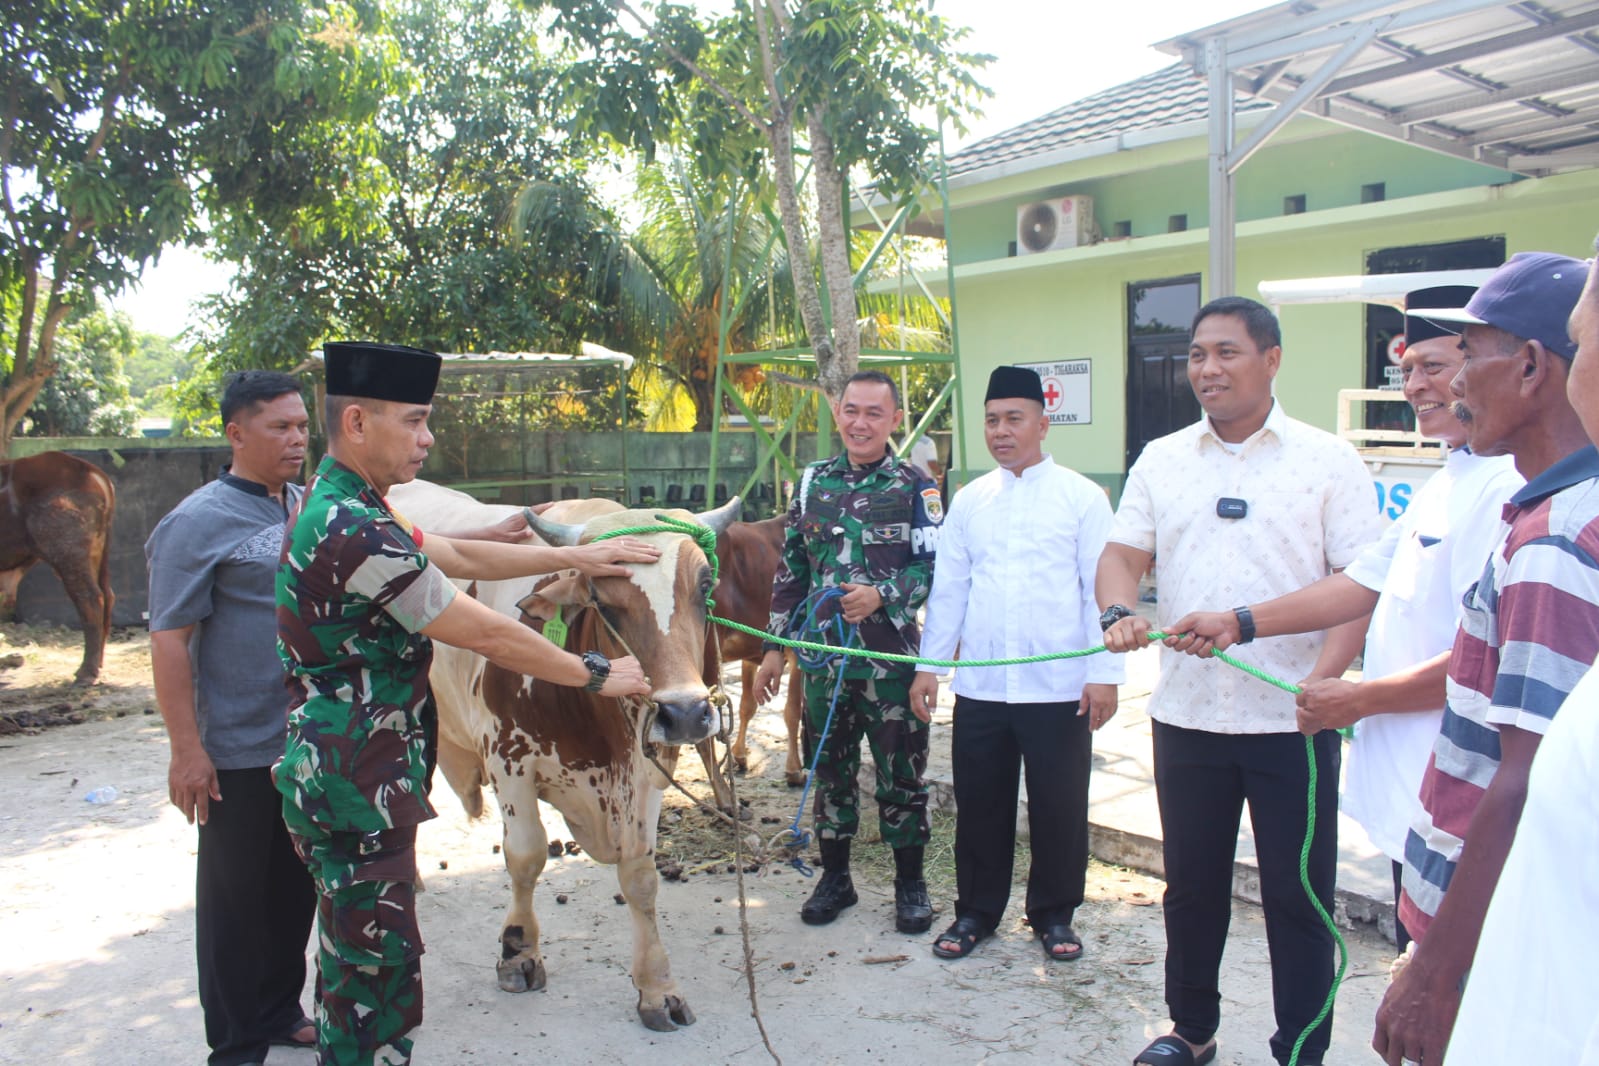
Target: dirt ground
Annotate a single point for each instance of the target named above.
(96, 919)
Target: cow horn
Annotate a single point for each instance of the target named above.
(555, 534)
(723, 516)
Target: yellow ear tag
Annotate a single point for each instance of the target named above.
(555, 629)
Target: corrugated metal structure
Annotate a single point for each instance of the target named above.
(1414, 71)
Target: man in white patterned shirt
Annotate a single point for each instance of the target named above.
(1015, 577)
(1245, 505)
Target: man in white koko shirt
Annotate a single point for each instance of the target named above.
(1015, 578)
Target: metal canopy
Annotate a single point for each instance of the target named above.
(1509, 85)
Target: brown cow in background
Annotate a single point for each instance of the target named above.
(749, 554)
(58, 508)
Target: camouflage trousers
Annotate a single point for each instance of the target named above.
(369, 948)
(877, 709)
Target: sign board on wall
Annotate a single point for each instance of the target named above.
(1067, 391)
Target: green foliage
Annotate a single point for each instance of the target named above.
(471, 126)
(156, 367)
(860, 86)
(120, 124)
(88, 395)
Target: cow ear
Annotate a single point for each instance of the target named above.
(564, 589)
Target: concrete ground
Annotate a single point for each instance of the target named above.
(96, 919)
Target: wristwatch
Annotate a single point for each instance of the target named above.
(1246, 624)
(1113, 614)
(599, 669)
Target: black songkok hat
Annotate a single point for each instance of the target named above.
(381, 371)
(1014, 383)
(1417, 328)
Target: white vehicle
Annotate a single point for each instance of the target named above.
(1400, 460)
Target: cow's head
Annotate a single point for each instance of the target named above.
(659, 611)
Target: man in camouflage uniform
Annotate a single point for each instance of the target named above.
(866, 523)
(357, 604)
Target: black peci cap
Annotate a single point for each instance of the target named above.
(1014, 383)
(381, 371)
(1419, 329)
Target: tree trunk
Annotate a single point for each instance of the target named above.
(832, 235)
(779, 130)
(32, 364)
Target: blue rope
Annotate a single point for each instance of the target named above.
(846, 635)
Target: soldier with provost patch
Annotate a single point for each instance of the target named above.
(358, 606)
(865, 523)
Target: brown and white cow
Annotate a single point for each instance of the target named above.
(58, 508)
(749, 553)
(585, 755)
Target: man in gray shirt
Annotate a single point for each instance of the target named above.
(219, 684)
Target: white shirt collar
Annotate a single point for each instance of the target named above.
(1276, 423)
(1032, 473)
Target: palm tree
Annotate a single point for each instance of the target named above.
(703, 250)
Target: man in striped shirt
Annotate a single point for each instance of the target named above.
(1529, 630)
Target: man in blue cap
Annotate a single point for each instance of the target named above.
(1528, 631)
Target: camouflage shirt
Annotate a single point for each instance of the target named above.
(866, 525)
(353, 593)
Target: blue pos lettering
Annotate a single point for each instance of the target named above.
(1393, 499)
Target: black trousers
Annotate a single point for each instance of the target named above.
(1202, 781)
(992, 744)
(254, 903)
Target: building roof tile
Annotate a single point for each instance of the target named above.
(1167, 97)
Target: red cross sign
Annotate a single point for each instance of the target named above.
(1052, 394)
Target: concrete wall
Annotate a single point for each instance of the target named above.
(152, 476)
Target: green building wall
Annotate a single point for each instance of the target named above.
(1072, 304)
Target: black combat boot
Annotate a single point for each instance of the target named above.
(913, 911)
(835, 890)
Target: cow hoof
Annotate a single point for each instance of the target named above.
(795, 780)
(741, 764)
(521, 975)
(667, 1017)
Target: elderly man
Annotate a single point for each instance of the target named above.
(1410, 582)
(1530, 628)
(1003, 531)
(1532, 989)
(219, 685)
(359, 604)
(1244, 505)
(866, 524)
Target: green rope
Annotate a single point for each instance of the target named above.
(706, 538)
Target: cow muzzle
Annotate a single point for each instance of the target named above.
(684, 720)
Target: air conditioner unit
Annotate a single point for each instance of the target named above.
(1065, 222)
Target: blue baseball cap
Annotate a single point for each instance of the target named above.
(1531, 296)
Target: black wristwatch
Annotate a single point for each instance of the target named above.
(599, 669)
(1246, 624)
(1113, 614)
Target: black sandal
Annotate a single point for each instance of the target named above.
(287, 1038)
(1173, 1050)
(966, 933)
(1061, 935)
